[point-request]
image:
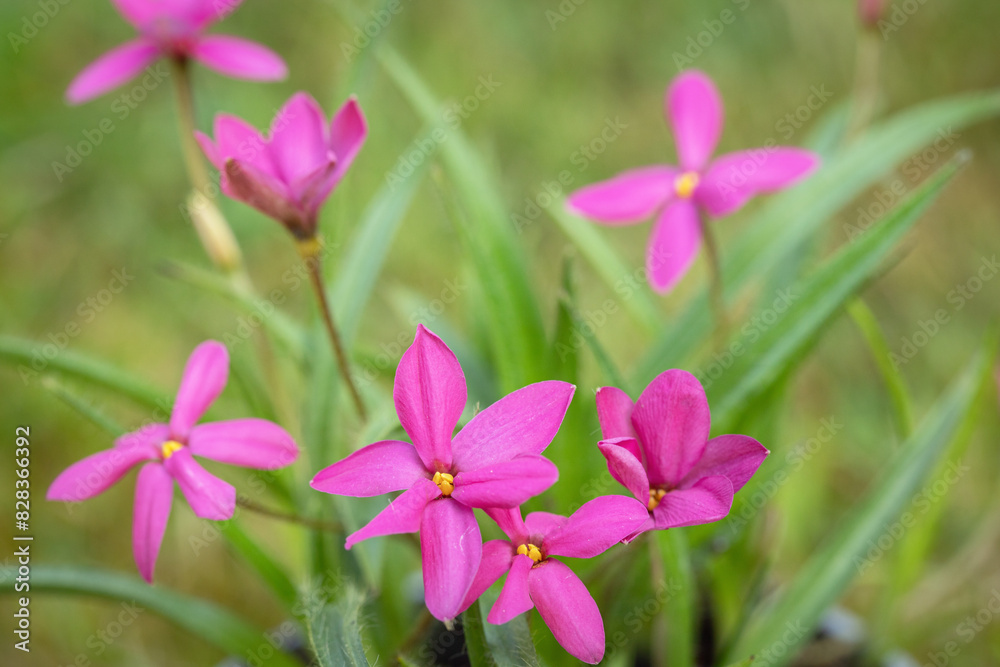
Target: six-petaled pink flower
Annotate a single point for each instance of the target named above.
(675, 194)
(494, 461)
(288, 175)
(173, 29)
(537, 580)
(659, 450)
(167, 449)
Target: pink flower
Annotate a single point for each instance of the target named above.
(290, 174)
(492, 462)
(870, 11)
(659, 450)
(675, 194)
(536, 579)
(167, 452)
(173, 29)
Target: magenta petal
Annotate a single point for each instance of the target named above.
(695, 111)
(239, 58)
(204, 379)
(244, 182)
(298, 139)
(452, 548)
(733, 179)
(625, 466)
(94, 474)
(568, 609)
(112, 69)
(496, 560)
(430, 395)
(251, 443)
(629, 197)
(614, 412)
(403, 514)
(348, 131)
(382, 467)
(208, 496)
(505, 484)
(510, 522)
(540, 524)
(154, 493)
(522, 422)
(673, 421)
(514, 597)
(239, 140)
(673, 245)
(707, 500)
(735, 456)
(596, 527)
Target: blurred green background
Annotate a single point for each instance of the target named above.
(559, 84)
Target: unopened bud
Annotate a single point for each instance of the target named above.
(870, 11)
(214, 232)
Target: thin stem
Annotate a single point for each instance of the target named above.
(866, 82)
(716, 285)
(291, 518)
(309, 249)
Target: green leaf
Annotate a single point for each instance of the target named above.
(830, 570)
(83, 406)
(509, 306)
(678, 612)
(761, 363)
(335, 632)
(23, 353)
(268, 568)
(488, 645)
(780, 226)
(215, 625)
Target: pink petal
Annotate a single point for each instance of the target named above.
(154, 493)
(348, 131)
(251, 443)
(204, 379)
(673, 245)
(112, 69)
(382, 467)
(208, 496)
(707, 500)
(403, 514)
(510, 522)
(180, 15)
(239, 140)
(625, 466)
(596, 527)
(629, 197)
(514, 597)
(244, 182)
(614, 412)
(505, 484)
(695, 111)
(734, 456)
(540, 524)
(522, 422)
(496, 560)
(430, 395)
(298, 139)
(733, 179)
(568, 609)
(93, 475)
(452, 548)
(673, 420)
(311, 190)
(239, 58)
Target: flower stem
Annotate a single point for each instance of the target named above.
(309, 249)
(291, 518)
(866, 82)
(716, 287)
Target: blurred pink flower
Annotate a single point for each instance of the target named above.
(288, 175)
(870, 11)
(659, 450)
(167, 450)
(535, 579)
(674, 194)
(173, 29)
(494, 461)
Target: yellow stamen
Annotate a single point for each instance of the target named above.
(531, 551)
(445, 482)
(655, 496)
(169, 447)
(685, 184)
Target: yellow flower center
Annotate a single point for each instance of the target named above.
(685, 184)
(655, 496)
(169, 447)
(531, 551)
(445, 482)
